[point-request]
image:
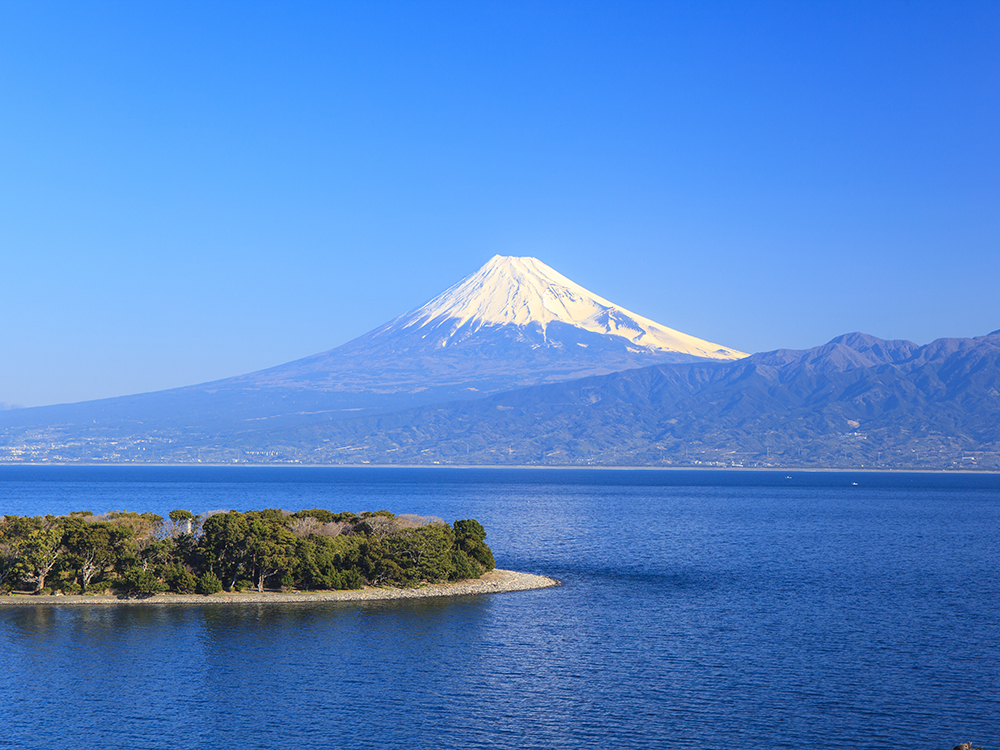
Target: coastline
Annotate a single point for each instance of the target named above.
(495, 582)
(540, 467)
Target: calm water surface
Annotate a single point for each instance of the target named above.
(699, 610)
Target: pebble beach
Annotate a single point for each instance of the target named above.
(494, 582)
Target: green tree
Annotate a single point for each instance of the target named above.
(270, 549)
(139, 582)
(307, 571)
(95, 548)
(224, 537)
(158, 556)
(469, 538)
(209, 583)
(180, 580)
(9, 554)
(376, 566)
(463, 567)
(423, 553)
(328, 562)
(38, 554)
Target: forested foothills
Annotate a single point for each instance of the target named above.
(143, 553)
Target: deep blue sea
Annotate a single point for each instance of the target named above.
(706, 610)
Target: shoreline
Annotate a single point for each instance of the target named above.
(616, 467)
(495, 582)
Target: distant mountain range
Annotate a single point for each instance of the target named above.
(518, 365)
(857, 401)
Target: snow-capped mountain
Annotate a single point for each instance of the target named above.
(530, 296)
(515, 322)
(518, 364)
(512, 323)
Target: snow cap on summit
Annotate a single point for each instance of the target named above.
(512, 291)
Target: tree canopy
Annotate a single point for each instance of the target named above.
(139, 554)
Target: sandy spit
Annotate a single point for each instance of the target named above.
(494, 582)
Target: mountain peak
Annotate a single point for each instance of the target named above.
(528, 294)
(508, 290)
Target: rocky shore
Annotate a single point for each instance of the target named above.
(494, 582)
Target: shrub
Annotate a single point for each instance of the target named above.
(70, 587)
(243, 585)
(208, 584)
(351, 579)
(98, 587)
(332, 581)
(464, 567)
(180, 580)
(139, 582)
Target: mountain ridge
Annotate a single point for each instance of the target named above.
(889, 405)
(895, 405)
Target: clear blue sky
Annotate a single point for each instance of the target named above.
(190, 191)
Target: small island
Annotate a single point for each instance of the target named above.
(257, 556)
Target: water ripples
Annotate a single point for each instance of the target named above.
(690, 616)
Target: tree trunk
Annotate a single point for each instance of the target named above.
(87, 572)
(39, 577)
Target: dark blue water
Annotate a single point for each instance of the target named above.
(699, 610)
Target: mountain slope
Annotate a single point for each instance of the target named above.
(515, 322)
(856, 401)
(527, 294)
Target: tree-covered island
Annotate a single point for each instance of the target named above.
(143, 553)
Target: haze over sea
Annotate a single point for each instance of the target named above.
(735, 610)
